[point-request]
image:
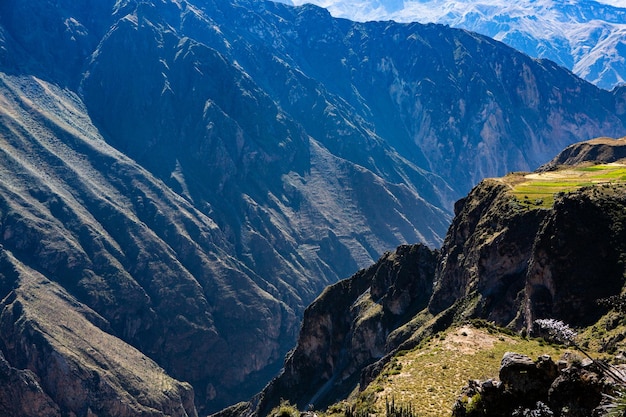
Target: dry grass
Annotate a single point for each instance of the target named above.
(430, 378)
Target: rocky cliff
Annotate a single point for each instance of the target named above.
(505, 259)
(349, 327)
(552, 257)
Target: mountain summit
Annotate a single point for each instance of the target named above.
(180, 179)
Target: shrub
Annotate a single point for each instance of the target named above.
(474, 405)
(285, 409)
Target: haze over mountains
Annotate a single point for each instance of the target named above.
(587, 37)
(186, 176)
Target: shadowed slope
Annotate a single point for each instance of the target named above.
(119, 241)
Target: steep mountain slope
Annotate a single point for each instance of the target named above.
(505, 260)
(586, 37)
(351, 326)
(118, 250)
(441, 107)
(190, 175)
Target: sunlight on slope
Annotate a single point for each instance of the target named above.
(539, 189)
(430, 378)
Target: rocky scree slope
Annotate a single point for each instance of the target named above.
(191, 174)
(502, 260)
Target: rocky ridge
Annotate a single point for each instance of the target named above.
(502, 261)
(338, 338)
(585, 36)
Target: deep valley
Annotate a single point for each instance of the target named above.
(181, 179)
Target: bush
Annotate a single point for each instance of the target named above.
(475, 405)
(285, 409)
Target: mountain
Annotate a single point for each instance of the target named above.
(600, 150)
(180, 179)
(508, 259)
(586, 37)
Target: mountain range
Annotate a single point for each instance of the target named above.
(180, 179)
(586, 37)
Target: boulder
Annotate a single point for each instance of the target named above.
(536, 388)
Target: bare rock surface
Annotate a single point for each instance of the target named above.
(79, 367)
(539, 387)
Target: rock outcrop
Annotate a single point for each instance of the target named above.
(486, 253)
(577, 258)
(569, 387)
(597, 151)
(350, 326)
(22, 395)
(521, 264)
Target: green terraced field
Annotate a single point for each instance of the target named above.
(539, 189)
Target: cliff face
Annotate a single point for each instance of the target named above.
(506, 259)
(486, 253)
(578, 257)
(519, 264)
(349, 327)
(21, 394)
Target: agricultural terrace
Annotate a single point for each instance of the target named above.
(538, 189)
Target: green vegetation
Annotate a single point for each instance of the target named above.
(607, 335)
(474, 403)
(393, 410)
(429, 378)
(538, 190)
(285, 409)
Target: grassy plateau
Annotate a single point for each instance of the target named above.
(538, 189)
